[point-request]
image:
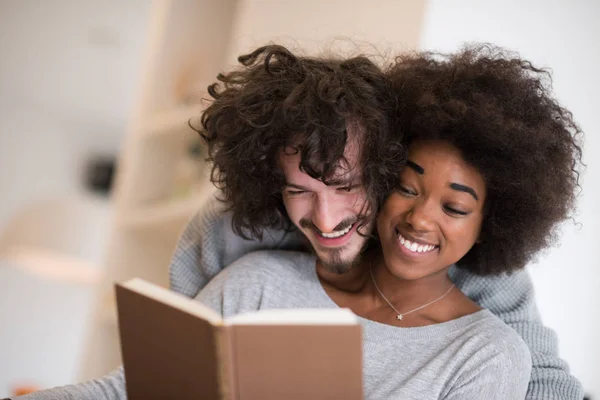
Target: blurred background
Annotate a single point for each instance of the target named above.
(99, 172)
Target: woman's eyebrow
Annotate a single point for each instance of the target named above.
(416, 167)
(463, 188)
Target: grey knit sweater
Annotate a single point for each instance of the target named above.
(208, 244)
(469, 358)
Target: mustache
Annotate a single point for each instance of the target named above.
(308, 224)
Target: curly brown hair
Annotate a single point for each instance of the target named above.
(278, 99)
(498, 110)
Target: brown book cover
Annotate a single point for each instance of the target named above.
(174, 347)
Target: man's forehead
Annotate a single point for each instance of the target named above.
(348, 168)
(290, 157)
(290, 163)
(356, 138)
(356, 129)
(346, 173)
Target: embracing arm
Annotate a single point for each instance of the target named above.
(109, 387)
(511, 297)
(208, 244)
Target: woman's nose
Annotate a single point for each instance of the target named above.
(421, 218)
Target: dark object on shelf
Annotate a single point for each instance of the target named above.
(197, 150)
(99, 174)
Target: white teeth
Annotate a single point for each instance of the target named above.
(335, 234)
(413, 246)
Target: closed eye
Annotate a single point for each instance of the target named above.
(348, 188)
(295, 192)
(454, 211)
(405, 190)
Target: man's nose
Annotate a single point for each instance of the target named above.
(325, 213)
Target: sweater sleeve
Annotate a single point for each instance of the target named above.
(109, 387)
(208, 244)
(511, 298)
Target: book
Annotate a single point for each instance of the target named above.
(178, 348)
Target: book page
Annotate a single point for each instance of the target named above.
(297, 316)
(173, 299)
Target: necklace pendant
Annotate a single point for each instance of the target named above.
(399, 317)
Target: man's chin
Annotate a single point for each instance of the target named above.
(337, 264)
(337, 268)
(340, 260)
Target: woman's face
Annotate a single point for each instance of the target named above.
(434, 216)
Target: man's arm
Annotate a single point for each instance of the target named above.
(109, 387)
(511, 297)
(208, 244)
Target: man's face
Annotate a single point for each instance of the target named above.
(328, 215)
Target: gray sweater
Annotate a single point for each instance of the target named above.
(473, 357)
(208, 244)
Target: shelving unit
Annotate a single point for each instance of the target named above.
(169, 121)
(155, 215)
(186, 45)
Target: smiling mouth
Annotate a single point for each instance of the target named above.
(415, 247)
(334, 234)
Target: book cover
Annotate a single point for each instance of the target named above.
(175, 347)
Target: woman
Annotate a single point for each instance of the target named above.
(491, 172)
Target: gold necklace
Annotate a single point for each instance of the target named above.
(400, 315)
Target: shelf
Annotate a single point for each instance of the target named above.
(52, 265)
(169, 211)
(170, 121)
(185, 46)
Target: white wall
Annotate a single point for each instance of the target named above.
(561, 35)
(67, 75)
(315, 25)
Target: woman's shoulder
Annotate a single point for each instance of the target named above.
(491, 360)
(494, 339)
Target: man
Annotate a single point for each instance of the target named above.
(299, 146)
(322, 112)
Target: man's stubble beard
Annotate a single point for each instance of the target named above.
(334, 262)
